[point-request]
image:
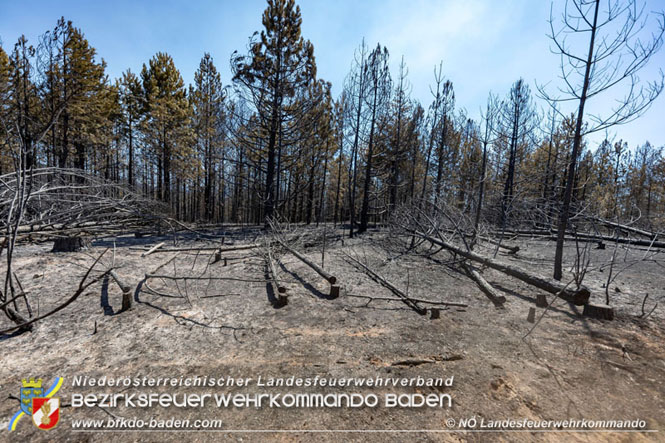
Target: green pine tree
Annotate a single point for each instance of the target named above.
(4, 110)
(207, 98)
(279, 66)
(167, 120)
(130, 96)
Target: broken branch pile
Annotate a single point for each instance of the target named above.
(67, 202)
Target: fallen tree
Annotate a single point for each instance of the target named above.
(64, 205)
(629, 241)
(485, 287)
(405, 298)
(510, 249)
(626, 228)
(578, 297)
(207, 248)
(60, 203)
(278, 290)
(572, 236)
(26, 324)
(334, 288)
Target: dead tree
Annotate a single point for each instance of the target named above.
(18, 190)
(216, 249)
(616, 51)
(340, 115)
(402, 106)
(433, 118)
(600, 238)
(62, 204)
(84, 284)
(487, 289)
(334, 288)
(579, 296)
(518, 120)
(487, 138)
(356, 91)
(376, 100)
(626, 228)
(405, 298)
(278, 290)
(446, 107)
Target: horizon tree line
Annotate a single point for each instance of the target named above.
(274, 142)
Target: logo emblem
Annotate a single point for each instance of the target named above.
(30, 390)
(46, 412)
(44, 409)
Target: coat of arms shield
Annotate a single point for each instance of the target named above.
(46, 412)
(30, 390)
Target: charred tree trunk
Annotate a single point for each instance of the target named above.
(578, 297)
(70, 244)
(577, 140)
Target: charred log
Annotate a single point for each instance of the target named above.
(579, 296)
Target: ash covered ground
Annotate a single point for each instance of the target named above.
(563, 366)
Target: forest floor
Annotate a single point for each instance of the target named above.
(564, 366)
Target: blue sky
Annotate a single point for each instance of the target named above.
(485, 45)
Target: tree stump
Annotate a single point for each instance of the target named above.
(70, 244)
(601, 312)
(126, 291)
(282, 297)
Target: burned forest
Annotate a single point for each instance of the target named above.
(258, 224)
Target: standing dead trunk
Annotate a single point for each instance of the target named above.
(577, 141)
